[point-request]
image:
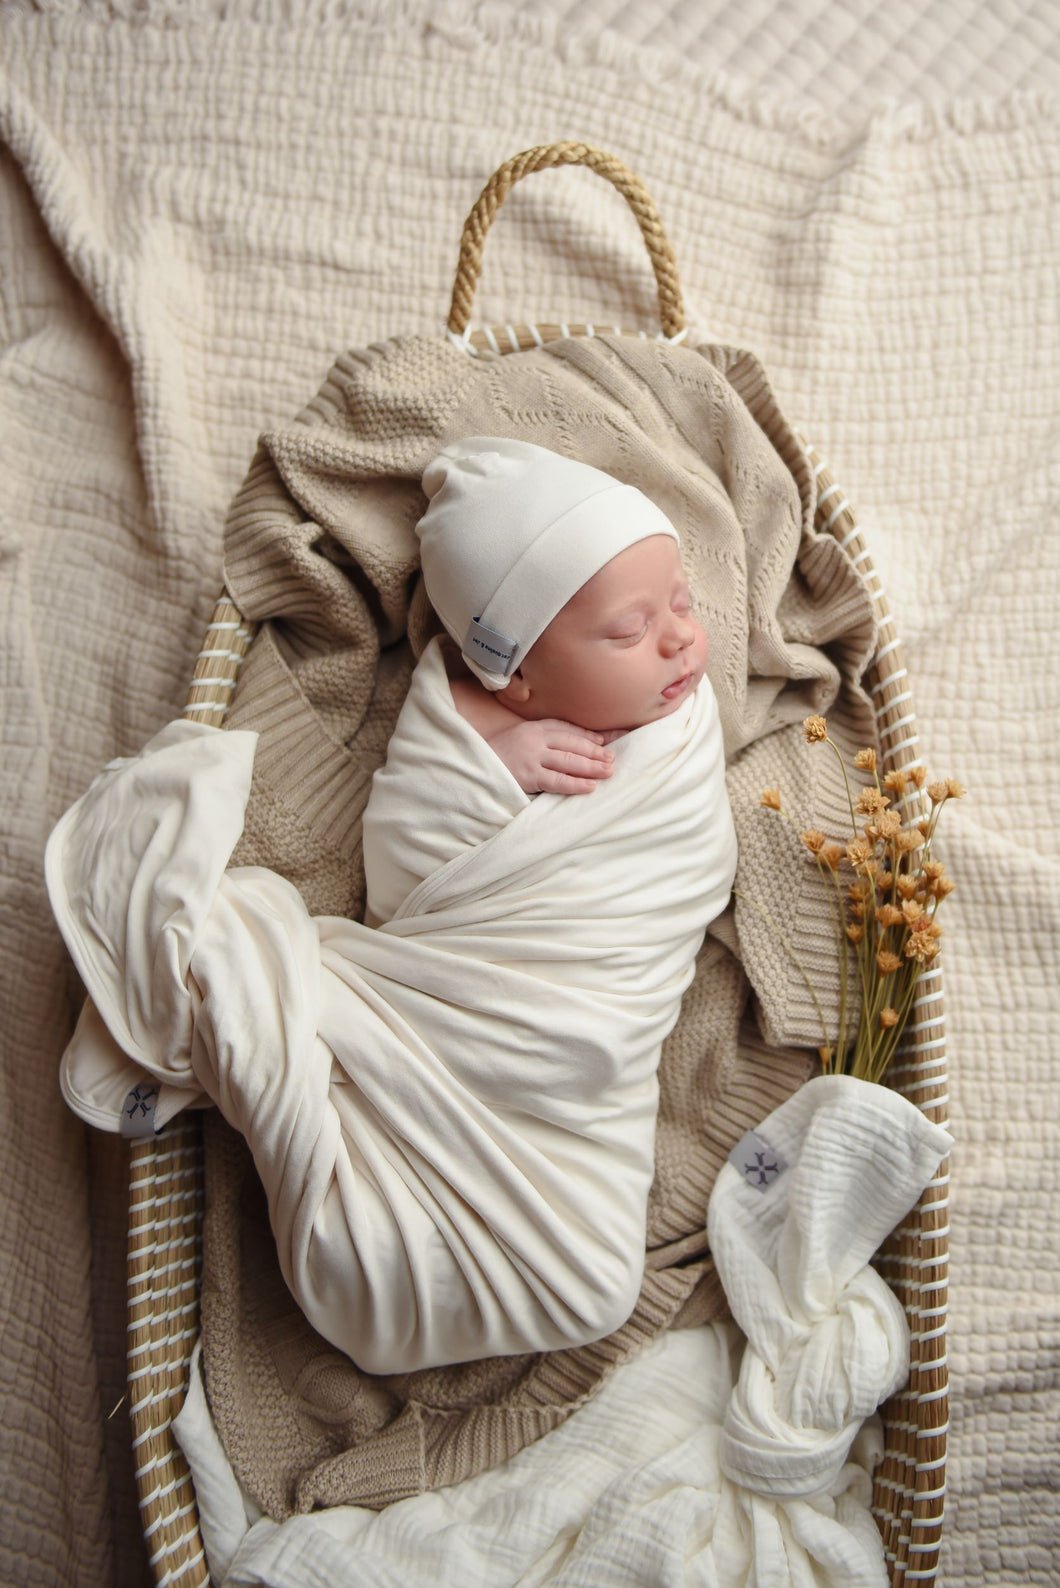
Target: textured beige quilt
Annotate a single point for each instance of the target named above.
(199, 205)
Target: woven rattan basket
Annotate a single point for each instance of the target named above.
(166, 1179)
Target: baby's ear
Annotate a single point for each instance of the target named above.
(516, 691)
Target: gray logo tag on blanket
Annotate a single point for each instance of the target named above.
(488, 648)
(758, 1162)
(138, 1110)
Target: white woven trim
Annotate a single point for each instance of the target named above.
(160, 1176)
(912, 743)
(931, 1022)
(148, 1248)
(165, 1517)
(896, 700)
(462, 342)
(150, 1433)
(885, 650)
(199, 1558)
(153, 1398)
(935, 1394)
(171, 1549)
(156, 1226)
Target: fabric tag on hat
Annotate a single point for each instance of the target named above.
(489, 649)
(138, 1110)
(758, 1162)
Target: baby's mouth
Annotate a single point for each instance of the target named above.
(678, 686)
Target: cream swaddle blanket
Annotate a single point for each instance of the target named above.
(452, 1113)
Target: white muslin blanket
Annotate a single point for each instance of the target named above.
(452, 1112)
(704, 1462)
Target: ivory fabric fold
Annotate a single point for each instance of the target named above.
(453, 1112)
(755, 1464)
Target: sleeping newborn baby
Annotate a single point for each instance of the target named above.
(586, 572)
(451, 1106)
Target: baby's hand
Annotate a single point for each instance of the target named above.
(553, 757)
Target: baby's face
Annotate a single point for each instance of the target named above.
(624, 651)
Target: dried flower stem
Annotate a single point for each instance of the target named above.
(893, 902)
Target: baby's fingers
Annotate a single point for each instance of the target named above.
(575, 742)
(572, 763)
(564, 783)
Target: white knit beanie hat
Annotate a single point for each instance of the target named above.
(511, 532)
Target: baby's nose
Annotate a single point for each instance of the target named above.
(680, 632)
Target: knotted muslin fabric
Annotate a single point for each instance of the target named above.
(452, 1114)
(755, 1466)
(795, 1216)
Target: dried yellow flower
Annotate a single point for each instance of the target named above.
(944, 886)
(921, 946)
(857, 910)
(912, 911)
(917, 775)
(955, 790)
(770, 799)
(937, 792)
(831, 855)
(885, 881)
(825, 1056)
(896, 781)
(859, 850)
(886, 962)
(908, 839)
(884, 825)
(888, 1017)
(923, 827)
(869, 801)
(865, 760)
(816, 729)
(933, 870)
(907, 887)
(855, 933)
(814, 840)
(889, 915)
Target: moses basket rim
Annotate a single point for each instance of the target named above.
(166, 1171)
(166, 1196)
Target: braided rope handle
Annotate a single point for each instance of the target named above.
(547, 157)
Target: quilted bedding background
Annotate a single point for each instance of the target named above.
(201, 203)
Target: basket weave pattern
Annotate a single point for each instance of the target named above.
(166, 1199)
(166, 1196)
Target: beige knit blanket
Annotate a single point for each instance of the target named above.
(199, 206)
(320, 547)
